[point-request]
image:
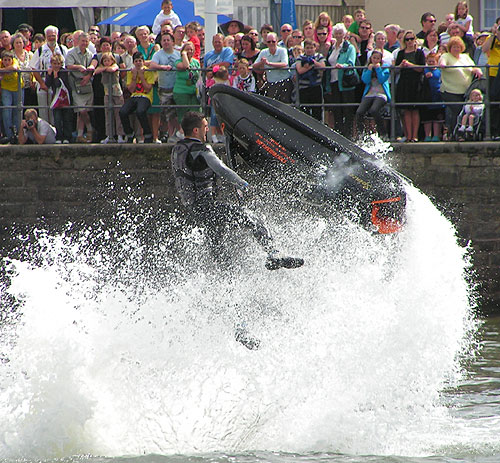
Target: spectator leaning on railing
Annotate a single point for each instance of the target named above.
(10, 85)
(79, 62)
(41, 62)
(164, 61)
(57, 81)
(221, 55)
(274, 60)
(309, 68)
(140, 83)
(376, 93)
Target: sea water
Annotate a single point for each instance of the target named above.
(121, 347)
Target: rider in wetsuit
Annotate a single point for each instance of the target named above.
(195, 167)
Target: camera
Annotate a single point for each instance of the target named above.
(307, 60)
(14, 140)
(30, 123)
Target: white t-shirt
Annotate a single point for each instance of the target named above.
(463, 21)
(44, 128)
(160, 17)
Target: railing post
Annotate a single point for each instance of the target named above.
(20, 102)
(296, 84)
(487, 105)
(392, 104)
(110, 109)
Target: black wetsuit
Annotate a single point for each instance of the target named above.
(195, 167)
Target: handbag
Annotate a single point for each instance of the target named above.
(61, 98)
(83, 89)
(350, 78)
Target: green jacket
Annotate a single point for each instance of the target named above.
(347, 57)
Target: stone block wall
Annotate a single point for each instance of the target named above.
(80, 183)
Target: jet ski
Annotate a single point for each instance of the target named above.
(301, 158)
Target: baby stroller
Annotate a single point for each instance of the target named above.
(478, 129)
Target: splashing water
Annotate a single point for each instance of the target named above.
(132, 351)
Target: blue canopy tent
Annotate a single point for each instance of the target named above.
(145, 13)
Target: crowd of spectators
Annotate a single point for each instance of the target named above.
(135, 86)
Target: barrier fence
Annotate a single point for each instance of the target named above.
(393, 105)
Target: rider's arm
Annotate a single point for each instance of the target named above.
(220, 168)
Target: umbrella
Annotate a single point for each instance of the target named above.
(145, 13)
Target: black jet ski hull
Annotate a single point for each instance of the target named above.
(305, 158)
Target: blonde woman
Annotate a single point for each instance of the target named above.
(455, 80)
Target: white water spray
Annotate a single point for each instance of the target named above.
(355, 346)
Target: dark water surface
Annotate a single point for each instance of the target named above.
(369, 353)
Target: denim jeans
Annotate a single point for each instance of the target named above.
(9, 115)
(63, 120)
(373, 107)
(139, 105)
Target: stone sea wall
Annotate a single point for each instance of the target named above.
(79, 183)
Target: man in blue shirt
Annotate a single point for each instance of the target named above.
(221, 55)
(164, 62)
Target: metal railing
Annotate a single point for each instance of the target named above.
(204, 104)
(394, 104)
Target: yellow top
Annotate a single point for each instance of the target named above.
(494, 57)
(139, 89)
(10, 79)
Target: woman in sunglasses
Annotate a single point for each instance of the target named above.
(411, 61)
(324, 43)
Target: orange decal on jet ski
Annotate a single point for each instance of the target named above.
(383, 224)
(272, 147)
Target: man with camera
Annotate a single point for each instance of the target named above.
(35, 130)
(492, 49)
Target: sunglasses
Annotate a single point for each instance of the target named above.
(409, 39)
(322, 33)
(270, 41)
(365, 27)
(253, 33)
(431, 20)
(286, 30)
